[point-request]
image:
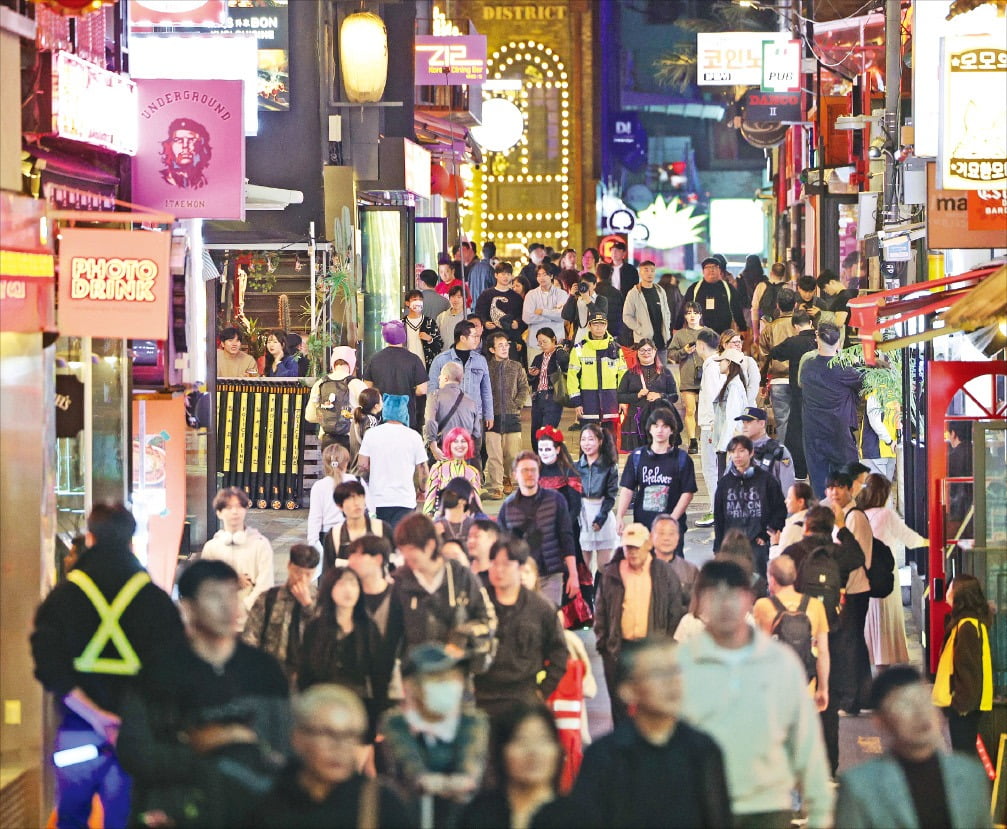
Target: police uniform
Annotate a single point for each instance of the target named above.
(769, 454)
(95, 631)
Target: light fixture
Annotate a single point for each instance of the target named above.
(856, 122)
(502, 127)
(363, 53)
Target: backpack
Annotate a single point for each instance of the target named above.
(818, 576)
(881, 573)
(335, 414)
(793, 627)
(767, 304)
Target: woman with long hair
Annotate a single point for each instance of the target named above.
(964, 683)
(280, 359)
(332, 650)
(366, 415)
(598, 467)
(558, 469)
(643, 388)
(728, 405)
(527, 760)
(885, 630)
(458, 448)
(753, 376)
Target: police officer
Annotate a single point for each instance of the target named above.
(93, 634)
(770, 454)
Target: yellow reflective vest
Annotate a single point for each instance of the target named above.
(109, 630)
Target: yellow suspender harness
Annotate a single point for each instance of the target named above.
(945, 668)
(91, 661)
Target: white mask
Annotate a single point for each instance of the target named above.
(416, 307)
(537, 257)
(443, 697)
(547, 452)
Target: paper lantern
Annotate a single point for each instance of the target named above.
(502, 126)
(440, 180)
(363, 54)
(74, 8)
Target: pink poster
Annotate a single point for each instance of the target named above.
(191, 161)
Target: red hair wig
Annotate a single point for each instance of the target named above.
(452, 435)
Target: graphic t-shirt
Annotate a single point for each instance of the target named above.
(657, 481)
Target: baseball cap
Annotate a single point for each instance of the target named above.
(752, 413)
(428, 658)
(731, 354)
(635, 535)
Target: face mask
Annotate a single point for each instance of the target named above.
(416, 307)
(442, 697)
(537, 257)
(547, 452)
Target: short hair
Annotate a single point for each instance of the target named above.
(646, 263)
(347, 490)
(456, 290)
(451, 372)
(526, 455)
(487, 525)
(306, 704)
(204, 570)
(692, 308)
(304, 555)
(786, 299)
(335, 456)
(370, 545)
(709, 338)
(496, 336)
(840, 479)
(516, 549)
(803, 491)
(778, 269)
(783, 570)
(489, 250)
(828, 333)
(429, 278)
(112, 526)
(736, 546)
(548, 332)
(413, 294)
(474, 316)
(534, 246)
(962, 429)
(620, 245)
(819, 520)
(589, 278)
(742, 441)
(851, 259)
(722, 573)
(665, 516)
(891, 680)
(801, 317)
(224, 496)
(452, 435)
(807, 284)
(632, 650)
(230, 333)
(593, 252)
(825, 277)
(463, 329)
(605, 271)
(504, 267)
(416, 530)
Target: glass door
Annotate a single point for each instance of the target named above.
(387, 266)
(431, 241)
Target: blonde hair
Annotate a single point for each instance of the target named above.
(306, 704)
(335, 457)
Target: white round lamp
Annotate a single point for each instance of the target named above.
(502, 127)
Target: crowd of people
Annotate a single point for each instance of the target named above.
(422, 664)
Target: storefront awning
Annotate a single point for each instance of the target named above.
(985, 304)
(258, 197)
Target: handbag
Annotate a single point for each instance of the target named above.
(577, 613)
(560, 393)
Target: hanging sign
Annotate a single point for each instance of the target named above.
(781, 66)
(192, 149)
(450, 60)
(27, 287)
(114, 283)
(733, 58)
(972, 148)
(761, 107)
(965, 218)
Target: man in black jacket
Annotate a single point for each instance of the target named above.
(529, 636)
(541, 518)
(638, 596)
(93, 635)
(624, 274)
(748, 499)
(721, 304)
(653, 770)
(790, 351)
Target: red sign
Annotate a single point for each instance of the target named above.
(114, 283)
(988, 210)
(27, 286)
(605, 246)
(207, 13)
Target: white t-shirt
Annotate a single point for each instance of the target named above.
(395, 451)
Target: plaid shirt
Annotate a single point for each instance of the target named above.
(280, 635)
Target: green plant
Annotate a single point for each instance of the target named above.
(255, 335)
(883, 380)
(335, 291)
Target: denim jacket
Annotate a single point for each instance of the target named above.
(475, 378)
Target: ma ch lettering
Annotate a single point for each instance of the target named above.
(115, 279)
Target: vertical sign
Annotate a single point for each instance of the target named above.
(191, 161)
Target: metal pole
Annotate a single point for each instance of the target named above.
(893, 87)
(311, 266)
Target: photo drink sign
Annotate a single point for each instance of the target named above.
(191, 161)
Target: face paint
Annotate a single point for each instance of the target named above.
(547, 451)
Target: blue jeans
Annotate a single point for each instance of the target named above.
(779, 395)
(392, 515)
(76, 784)
(544, 411)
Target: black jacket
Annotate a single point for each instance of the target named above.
(560, 361)
(727, 304)
(571, 313)
(599, 480)
(529, 638)
(615, 300)
(625, 781)
(790, 352)
(544, 522)
(66, 620)
(752, 504)
(847, 553)
(666, 606)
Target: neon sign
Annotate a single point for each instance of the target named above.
(94, 106)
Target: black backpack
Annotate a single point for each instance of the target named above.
(767, 304)
(881, 573)
(334, 412)
(793, 627)
(818, 576)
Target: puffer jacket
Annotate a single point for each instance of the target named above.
(544, 522)
(596, 367)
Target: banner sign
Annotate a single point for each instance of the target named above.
(453, 60)
(733, 58)
(114, 283)
(965, 218)
(781, 66)
(27, 271)
(772, 106)
(972, 145)
(177, 12)
(191, 161)
(628, 139)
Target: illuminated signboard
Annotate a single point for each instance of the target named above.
(733, 58)
(92, 105)
(417, 168)
(26, 266)
(453, 60)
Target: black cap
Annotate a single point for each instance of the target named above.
(597, 316)
(752, 413)
(709, 261)
(428, 658)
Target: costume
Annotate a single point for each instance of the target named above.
(396, 371)
(441, 473)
